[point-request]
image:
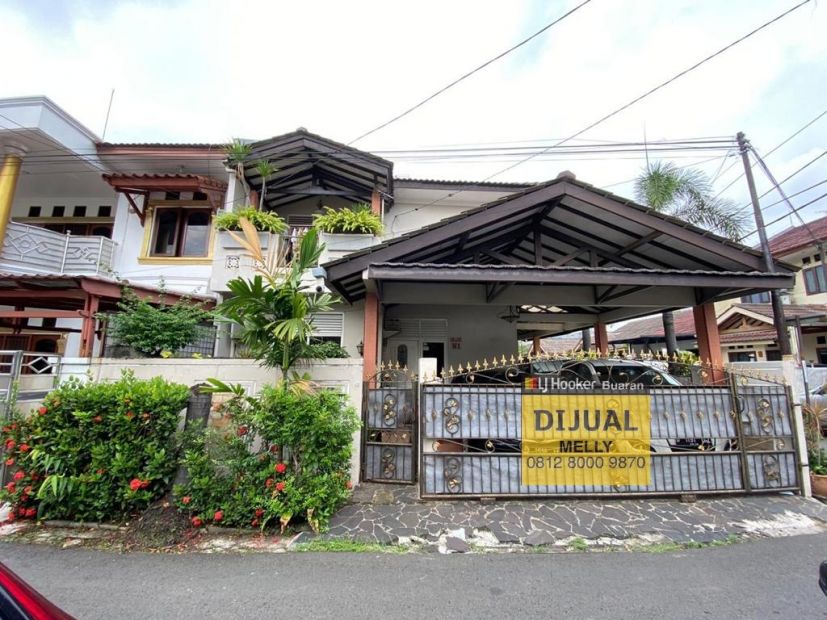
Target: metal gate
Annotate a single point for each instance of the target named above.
(390, 429)
(728, 434)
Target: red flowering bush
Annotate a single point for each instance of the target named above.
(291, 461)
(82, 457)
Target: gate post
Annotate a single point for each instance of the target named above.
(788, 367)
(739, 429)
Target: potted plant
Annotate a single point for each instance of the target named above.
(263, 221)
(817, 456)
(347, 229)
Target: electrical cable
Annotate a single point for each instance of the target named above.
(469, 74)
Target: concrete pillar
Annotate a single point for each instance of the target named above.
(601, 338)
(9, 174)
(370, 338)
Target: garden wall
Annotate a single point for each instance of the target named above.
(340, 374)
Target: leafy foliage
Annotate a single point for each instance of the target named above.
(94, 451)
(261, 220)
(274, 309)
(687, 194)
(325, 350)
(151, 329)
(360, 219)
(812, 434)
(284, 456)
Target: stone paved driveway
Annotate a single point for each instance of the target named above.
(390, 514)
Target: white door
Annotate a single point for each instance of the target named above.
(404, 351)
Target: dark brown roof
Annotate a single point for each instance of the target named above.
(137, 179)
(747, 335)
(791, 311)
(652, 327)
(799, 237)
(461, 185)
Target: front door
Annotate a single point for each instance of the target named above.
(403, 351)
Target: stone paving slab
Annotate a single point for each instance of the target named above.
(391, 514)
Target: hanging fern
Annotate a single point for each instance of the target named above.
(359, 219)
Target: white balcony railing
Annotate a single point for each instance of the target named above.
(31, 249)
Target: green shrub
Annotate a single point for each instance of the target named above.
(325, 350)
(152, 329)
(360, 219)
(284, 456)
(94, 451)
(261, 220)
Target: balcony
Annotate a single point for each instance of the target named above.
(31, 249)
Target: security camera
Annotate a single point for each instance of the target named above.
(319, 288)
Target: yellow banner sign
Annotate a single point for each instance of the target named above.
(586, 440)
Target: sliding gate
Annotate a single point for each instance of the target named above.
(480, 436)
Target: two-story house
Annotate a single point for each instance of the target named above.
(462, 272)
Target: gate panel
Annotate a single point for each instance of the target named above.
(704, 439)
(389, 446)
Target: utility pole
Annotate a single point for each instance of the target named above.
(777, 307)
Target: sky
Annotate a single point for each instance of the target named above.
(208, 71)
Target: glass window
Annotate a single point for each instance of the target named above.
(180, 232)
(757, 298)
(814, 281)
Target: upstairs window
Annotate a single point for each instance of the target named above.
(814, 281)
(179, 232)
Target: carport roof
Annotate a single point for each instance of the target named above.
(562, 232)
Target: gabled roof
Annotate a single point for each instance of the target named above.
(758, 315)
(310, 165)
(798, 238)
(652, 328)
(402, 182)
(563, 223)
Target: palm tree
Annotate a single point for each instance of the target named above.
(274, 308)
(687, 194)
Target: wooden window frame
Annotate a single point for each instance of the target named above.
(810, 290)
(183, 208)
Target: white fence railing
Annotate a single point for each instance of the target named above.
(31, 249)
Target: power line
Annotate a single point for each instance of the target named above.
(770, 152)
(769, 191)
(644, 95)
(470, 73)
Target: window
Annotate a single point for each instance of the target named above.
(79, 211)
(180, 232)
(58, 211)
(742, 356)
(814, 281)
(756, 298)
(34, 211)
(328, 327)
(105, 211)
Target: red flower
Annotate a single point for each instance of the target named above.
(19, 475)
(30, 512)
(9, 461)
(129, 415)
(6, 429)
(268, 483)
(348, 485)
(97, 419)
(14, 426)
(280, 486)
(10, 487)
(281, 468)
(186, 500)
(24, 447)
(242, 430)
(10, 444)
(196, 522)
(259, 512)
(144, 484)
(43, 411)
(218, 516)
(28, 490)
(135, 484)
(254, 522)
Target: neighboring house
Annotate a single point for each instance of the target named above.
(463, 271)
(646, 335)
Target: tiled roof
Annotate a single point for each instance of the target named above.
(791, 311)
(799, 237)
(161, 145)
(561, 344)
(201, 180)
(652, 327)
(749, 335)
(441, 182)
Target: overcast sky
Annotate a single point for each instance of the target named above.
(208, 70)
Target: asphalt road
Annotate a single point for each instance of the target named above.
(759, 579)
